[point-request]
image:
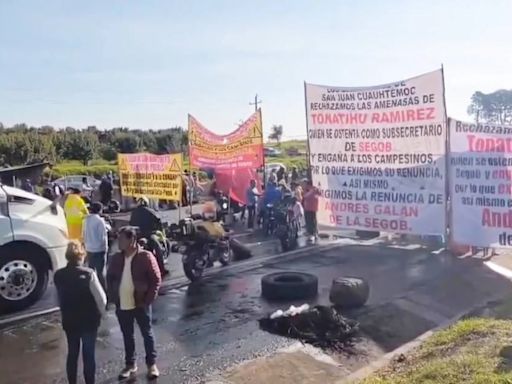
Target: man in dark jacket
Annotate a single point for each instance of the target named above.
(106, 188)
(133, 280)
(147, 221)
(82, 303)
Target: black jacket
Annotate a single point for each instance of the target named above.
(146, 219)
(79, 310)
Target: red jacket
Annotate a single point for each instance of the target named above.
(145, 274)
(311, 200)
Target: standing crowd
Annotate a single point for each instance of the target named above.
(133, 276)
(304, 197)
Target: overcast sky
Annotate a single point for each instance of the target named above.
(147, 64)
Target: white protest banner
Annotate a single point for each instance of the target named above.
(481, 184)
(377, 154)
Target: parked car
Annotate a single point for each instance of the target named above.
(33, 241)
(75, 181)
(271, 152)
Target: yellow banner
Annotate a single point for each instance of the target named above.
(153, 176)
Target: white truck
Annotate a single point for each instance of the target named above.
(33, 241)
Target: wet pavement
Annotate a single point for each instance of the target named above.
(259, 245)
(205, 328)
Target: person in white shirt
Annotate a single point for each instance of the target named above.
(95, 235)
(298, 212)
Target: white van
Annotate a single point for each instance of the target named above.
(33, 240)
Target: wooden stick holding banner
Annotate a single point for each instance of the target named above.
(263, 159)
(310, 176)
(447, 162)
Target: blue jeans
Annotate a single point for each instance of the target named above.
(126, 321)
(96, 261)
(88, 341)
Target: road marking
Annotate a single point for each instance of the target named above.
(499, 269)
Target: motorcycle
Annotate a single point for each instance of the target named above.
(199, 249)
(161, 250)
(287, 229)
(223, 207)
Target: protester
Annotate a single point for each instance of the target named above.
(295, 175)
(298, 211)
(310, 209)
(82, 303)
(133, 280)
(96, 241)
(272, 178)
(297, 191)
(75, 210)
(272, 194)
(252, 195)
(281, 174)
(260, 206)
(185, 180)
(87, 189)
(27, 186)
(148, 223)
(106, 189)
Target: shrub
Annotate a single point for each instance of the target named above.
(69, 169)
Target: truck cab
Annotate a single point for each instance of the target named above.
(33, 241)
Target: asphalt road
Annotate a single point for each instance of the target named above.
(204, 328)
(258, 244)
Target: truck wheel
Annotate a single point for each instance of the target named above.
(289, 286)
(23, 277)
(349, 292)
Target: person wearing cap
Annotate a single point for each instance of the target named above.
(96, 241)
(148, 222)
(75, 210)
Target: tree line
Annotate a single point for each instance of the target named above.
(21, 144)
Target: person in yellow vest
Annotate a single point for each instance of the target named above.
(76, 211)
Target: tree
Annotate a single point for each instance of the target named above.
(80, 146)
(276, 134)
(127, 143)
(495, 107)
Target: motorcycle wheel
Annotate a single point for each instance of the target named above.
(192, 269)
(192, 272)
(114, 206)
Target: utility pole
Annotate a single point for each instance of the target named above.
(256, 102)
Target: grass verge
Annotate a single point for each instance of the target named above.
(476, 350)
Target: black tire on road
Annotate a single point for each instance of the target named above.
(240, 251)
(36, 258)
(349, 292)
(289, 286)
